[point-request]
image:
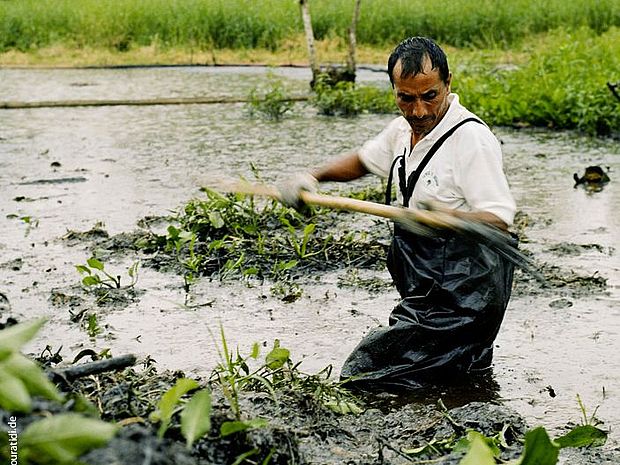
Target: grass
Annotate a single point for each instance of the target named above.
(248, 24)
(561, 85)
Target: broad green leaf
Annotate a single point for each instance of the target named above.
(479, 452)
(231, 427)
(170, 399)
(91, 280)
(277, 357)
(539, 449)
(83, 269)
(216, 220)
(94, 263)
(32, 376)
(14, 337)
(465, 442)
(583, 436)
(133, 269)
(283, 266)
(196, 417)
(14, 396)
(63, 438)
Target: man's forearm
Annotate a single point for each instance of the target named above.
(483, 217)
(345, 168)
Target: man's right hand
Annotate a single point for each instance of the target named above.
(290, 190)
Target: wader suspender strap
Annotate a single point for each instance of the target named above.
(388, 191)
(407, 189)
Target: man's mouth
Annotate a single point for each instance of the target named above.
(420, 121)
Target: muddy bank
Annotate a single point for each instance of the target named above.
(296, 421)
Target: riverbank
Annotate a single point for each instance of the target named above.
(292, 53)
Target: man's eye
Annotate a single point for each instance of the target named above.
(430, 95)
(406, 98)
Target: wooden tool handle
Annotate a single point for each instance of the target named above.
(433, 219)
(346, 203)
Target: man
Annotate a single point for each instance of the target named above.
(454, 291)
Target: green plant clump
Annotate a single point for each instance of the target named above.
(233, 234)
(562, 86)
(273, 105)
(278, 376)
(347, 99)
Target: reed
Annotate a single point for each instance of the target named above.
(216, 24)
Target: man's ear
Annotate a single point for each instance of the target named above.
(449, 81)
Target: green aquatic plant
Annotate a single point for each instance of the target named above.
(97, 276)
(347, 99)
(277, 373)
(273, 104)
(233, 373)
(168, 405)
(176, 240)
(93, 329)
(238, 235)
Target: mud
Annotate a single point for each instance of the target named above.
(84, 179)
(300, 429)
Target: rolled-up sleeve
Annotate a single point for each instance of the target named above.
(481, 177)
(377, 153)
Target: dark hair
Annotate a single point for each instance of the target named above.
(412, 52)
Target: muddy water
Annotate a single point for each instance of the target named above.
(68, 169)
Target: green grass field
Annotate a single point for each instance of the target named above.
(121, 24)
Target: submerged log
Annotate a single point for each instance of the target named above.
(92, 368)
(15, 105)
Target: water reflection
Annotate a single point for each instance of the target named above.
(451, 393)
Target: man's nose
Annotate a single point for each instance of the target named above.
(418, 109)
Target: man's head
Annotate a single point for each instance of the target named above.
(412, 53)
(419, 73)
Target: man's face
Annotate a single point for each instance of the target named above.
(423, 98)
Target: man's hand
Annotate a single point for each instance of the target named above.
(290, 190)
